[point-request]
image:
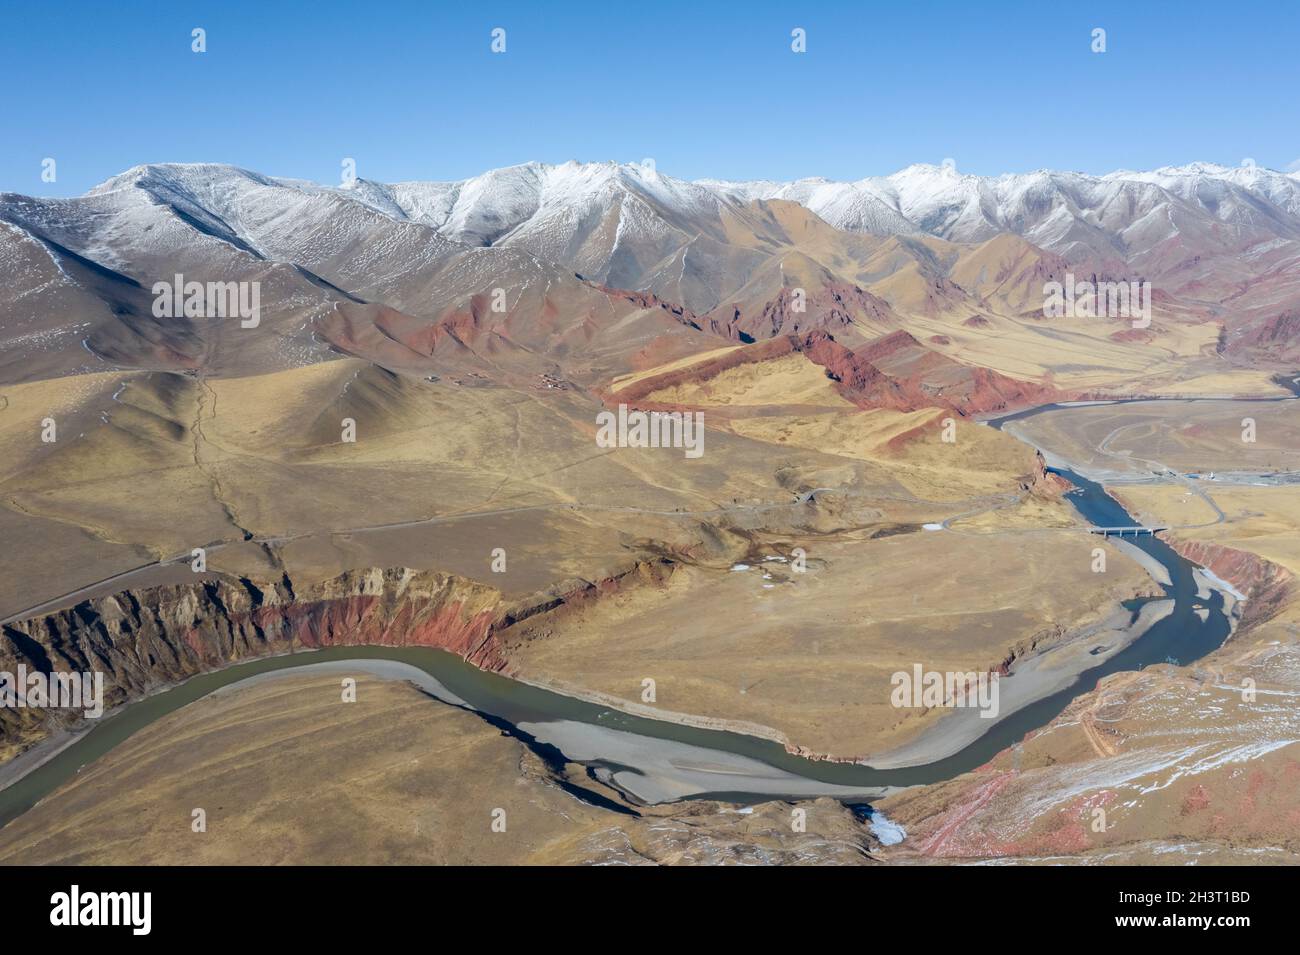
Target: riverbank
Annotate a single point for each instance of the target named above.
(1032, 679)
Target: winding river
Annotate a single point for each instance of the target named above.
(612, 742)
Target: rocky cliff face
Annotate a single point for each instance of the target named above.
(636, 393)
(146, 640)
(1268, 586)
(831, 305)
(895, 371)
(1044, 482)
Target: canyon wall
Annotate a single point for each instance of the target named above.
(147, 640)
(1268, 586)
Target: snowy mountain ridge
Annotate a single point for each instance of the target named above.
(549, 208)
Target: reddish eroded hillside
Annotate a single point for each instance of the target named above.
(1164, 758)
(585, 331)
(1276, 337)
(400, 342)
(149, 639)
(896, 372)
(650, 300)
(858, 379)
(1128, 335)
(926, 378)
(1267, 585)
(636, 392)
(385, 335)
(833, 305)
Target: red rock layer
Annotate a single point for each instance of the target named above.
(895, 371)
(161, 636)
(1267, 585)
(833, 305)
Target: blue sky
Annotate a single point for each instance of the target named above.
(412, 90)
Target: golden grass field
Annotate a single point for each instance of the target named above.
(149, 466)
(810, 654)
(789, 380)
(1260, 520)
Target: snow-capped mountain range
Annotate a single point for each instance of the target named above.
(543, 207)
(1222, 244)
(1040, 206)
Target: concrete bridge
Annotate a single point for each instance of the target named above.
(1136, 530)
